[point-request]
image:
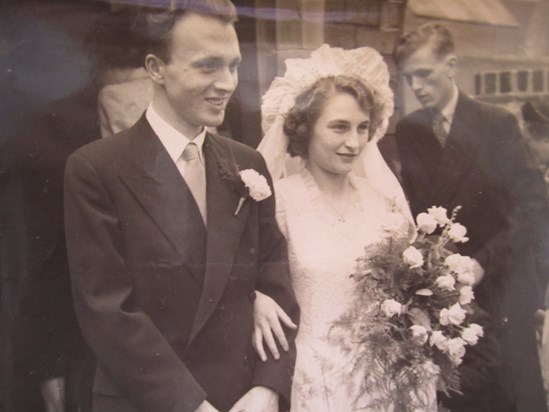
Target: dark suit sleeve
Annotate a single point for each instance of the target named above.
(521, 180)
(128, 346)
(477, 373)
(406, 163)
(274, 280)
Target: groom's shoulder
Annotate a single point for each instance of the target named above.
(107, 152)
(229, 145)
(105, 145)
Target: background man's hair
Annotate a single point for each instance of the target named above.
(154, 23)
(435, 34)
(112, 42)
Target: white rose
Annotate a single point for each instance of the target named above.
(477, 329)
(440, 214)
(459, 264)
(466, 295)
(457, 233)
(472, 333)
(391, 307)
(439, 340)
(446, 282)
(256, 183)
(426, 223)
(413, 257)
(468, 336)
(467, 278)
(456, 350)
(419, 334)
(455, 315)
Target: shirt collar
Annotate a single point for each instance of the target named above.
(450, 109)
(173, 140)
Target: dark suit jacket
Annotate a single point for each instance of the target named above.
(477, 371)
(485, 169)
(39, 335)
(168, 330)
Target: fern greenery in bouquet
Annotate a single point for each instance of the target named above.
(411, 317)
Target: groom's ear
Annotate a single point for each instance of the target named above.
(156, 67)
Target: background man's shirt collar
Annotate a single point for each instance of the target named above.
(450, 109)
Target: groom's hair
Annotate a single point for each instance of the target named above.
(433, 33)
(302, 117)
(154, 24)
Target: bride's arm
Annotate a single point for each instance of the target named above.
(268, 321)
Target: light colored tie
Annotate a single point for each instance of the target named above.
(438, 128)
(195, 176)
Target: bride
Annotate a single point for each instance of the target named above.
(335, 195)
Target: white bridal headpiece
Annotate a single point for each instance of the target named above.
(365, 64)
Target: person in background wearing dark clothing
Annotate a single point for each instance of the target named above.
(48, 110)
(42, 335)
(456, 151)
(477, 372)
(46, 337)
(536, 130)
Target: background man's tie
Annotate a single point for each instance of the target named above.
(438, 128)
(195, 176)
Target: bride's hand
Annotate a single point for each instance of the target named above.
(267, 318)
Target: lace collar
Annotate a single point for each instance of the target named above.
(319, 203)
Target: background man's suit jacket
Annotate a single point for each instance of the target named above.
(39, 334)
(485, 169)
(167, 309)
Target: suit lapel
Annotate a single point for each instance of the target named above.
(159, 188)
(425, 153)
(224, 231)
(460, 151)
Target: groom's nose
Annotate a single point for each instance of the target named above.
(227, 80)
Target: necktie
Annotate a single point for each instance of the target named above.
(438, 128)
(195, 176)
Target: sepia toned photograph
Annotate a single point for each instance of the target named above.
(274, 205)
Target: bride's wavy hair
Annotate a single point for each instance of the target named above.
(301, 119)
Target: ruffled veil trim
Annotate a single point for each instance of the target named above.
(363, 63)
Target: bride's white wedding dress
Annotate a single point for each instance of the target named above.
(323, 244)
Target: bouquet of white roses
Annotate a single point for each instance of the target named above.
(411, 317)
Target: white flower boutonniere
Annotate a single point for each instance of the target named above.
(248, 183)
(257, 186)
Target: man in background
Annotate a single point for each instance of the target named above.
(456, 151)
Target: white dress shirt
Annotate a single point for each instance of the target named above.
(449, 110)
(174, 141)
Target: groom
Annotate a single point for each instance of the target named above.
(456, 151)
(163, 265)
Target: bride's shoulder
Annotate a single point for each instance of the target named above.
(369, 193)
(288, 185)
(363, 186)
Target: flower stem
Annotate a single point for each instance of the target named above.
(240, 203)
